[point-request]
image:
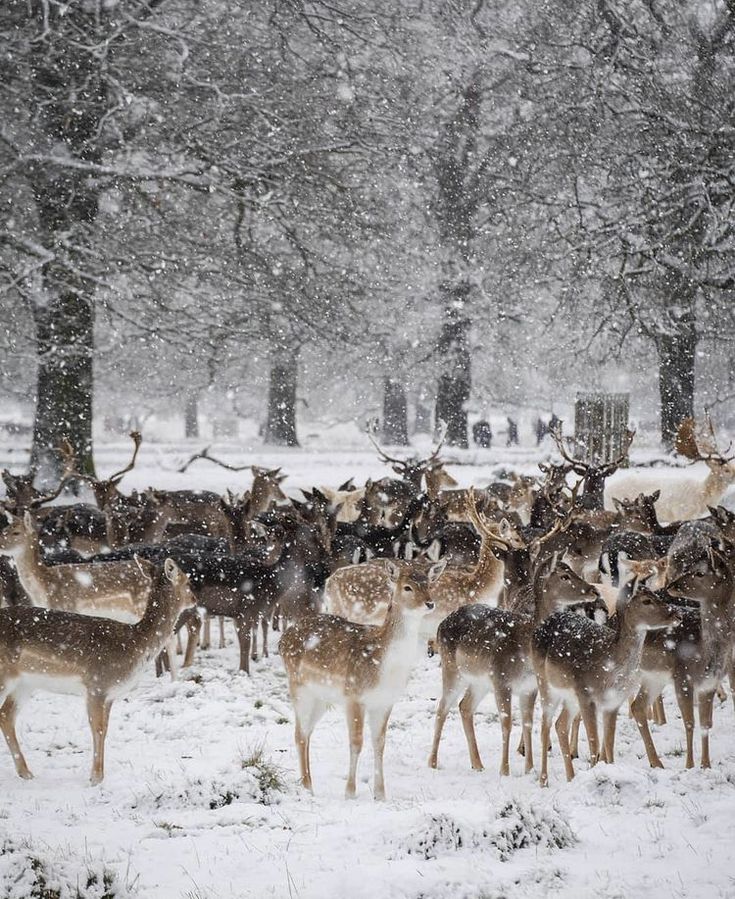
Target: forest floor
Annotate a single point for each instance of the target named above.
(201, 796)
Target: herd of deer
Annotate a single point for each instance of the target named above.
(528, 587)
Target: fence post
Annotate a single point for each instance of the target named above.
(600, 423)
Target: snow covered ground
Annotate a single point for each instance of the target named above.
(201, 798)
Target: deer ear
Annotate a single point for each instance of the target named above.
(554, 563)
(618, 504)
(170, 569)
(436, 571)
(434, 550)
(394, 572)
(655, 495)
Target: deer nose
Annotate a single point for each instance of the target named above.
(429, 604)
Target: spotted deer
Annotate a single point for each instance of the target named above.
(592, 668)
(362, 668)
(484, 648)
(65, 652)
(113, 589)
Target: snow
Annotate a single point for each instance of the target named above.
(201, 796)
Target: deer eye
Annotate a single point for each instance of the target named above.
(408, 589)
(647, 602)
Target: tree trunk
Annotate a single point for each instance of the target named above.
(676, 354)
(395, 417)
(455, 382)
(191, 415)
(281, 425)
(65, 341)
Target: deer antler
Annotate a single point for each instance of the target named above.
(66, 451)
(137, 439)
(402, 466)
(577, 465)
(616, 463)
(482, 524)
(204, 454)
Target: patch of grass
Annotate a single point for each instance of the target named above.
(281, 720)
(258, 703)
(268, 775)
(167, 826)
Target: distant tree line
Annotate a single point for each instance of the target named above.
(397, 185)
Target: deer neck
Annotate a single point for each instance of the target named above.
(156, 626)
(716, 614)
(487, 575)
(400, 634)
(31, 570)
(627, 647)
(717, 481)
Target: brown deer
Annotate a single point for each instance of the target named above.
(484, 648)
(67, 652)
(696, 657)
(590, 667)
(364, 669)
(102, 588)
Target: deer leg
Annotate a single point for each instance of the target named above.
(276, 621)
(562, 733)
(355, 726)
(179, 645)
(242, 627)
(8, 711)
(706, 703)
(98, 714)
(207, 632)
(264, 629)
(467, 707)
(254, 641)
(574, 739)
(171, 655)
(659, 712)
(589, 716)
(609, 723)
(193, 629)
(547, 710)
(686, 706)
(503, 698)
(527, 702)
(731, 678)
(222, 642)
(308, 710)
(162, 662)
(451, 688)
(378, 727)
(639, 708)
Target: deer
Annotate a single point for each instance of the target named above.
(484, 648)
(593, 475)
(112, 588)
(698, 443)
(696, 657)
(362, 592)
(363, 668)
(64, 651)
(346, 500)
(591, 667)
